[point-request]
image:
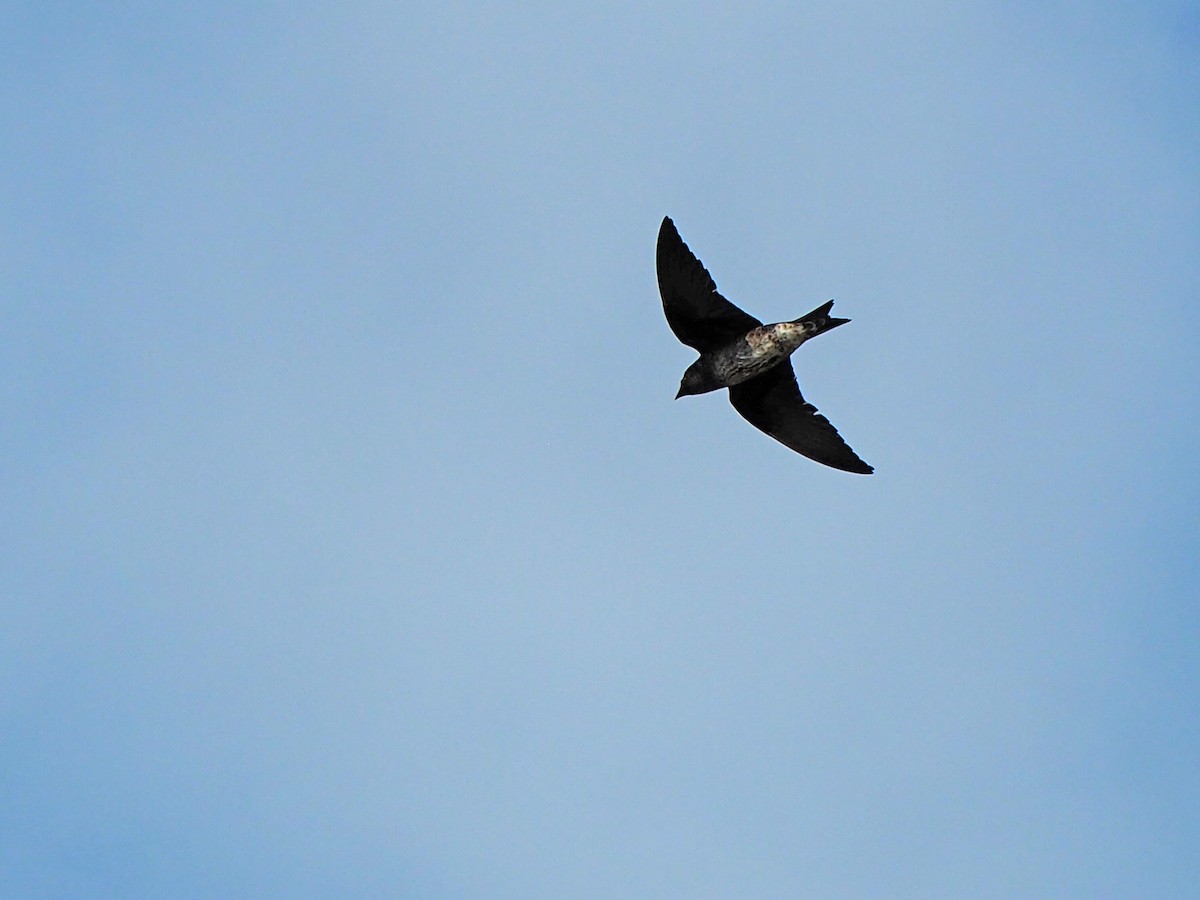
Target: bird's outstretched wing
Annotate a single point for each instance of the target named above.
(772, 403)
(699, 316)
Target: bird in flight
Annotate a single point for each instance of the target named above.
(751, 359)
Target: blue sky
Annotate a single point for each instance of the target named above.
(353, 544)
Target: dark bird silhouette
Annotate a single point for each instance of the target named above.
(751, 359)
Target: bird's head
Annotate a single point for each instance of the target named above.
(696, 380)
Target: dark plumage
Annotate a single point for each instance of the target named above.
(751, 359)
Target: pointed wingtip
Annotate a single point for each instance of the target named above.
(848, 463)
(854, 467)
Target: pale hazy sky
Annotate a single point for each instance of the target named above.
(353, 545)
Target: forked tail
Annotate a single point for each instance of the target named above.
(819, 320)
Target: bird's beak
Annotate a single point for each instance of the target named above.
(680, 394)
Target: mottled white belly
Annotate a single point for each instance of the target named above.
(776, 339)
(761, 349)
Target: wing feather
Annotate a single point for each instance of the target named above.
(695, 310)
(772, 402)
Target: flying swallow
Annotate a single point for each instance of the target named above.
(739, 352)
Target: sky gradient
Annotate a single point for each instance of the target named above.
(353, 545)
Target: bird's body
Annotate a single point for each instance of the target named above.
(738, 352)
(758, 350)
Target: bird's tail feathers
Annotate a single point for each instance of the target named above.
(820, 320)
